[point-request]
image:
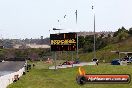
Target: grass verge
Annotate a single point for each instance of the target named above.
(41, 77)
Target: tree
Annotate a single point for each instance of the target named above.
(2, 54)
(44, 52)
(8, 44)
(102, 35)
(81, 41)
(89, 38)
(122, 35)
(89, 43)
(130, 31)
(119, 31)
(88, 47)
(109, 36)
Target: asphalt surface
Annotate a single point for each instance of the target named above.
(10, 66)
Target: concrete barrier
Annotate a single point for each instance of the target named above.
(9, 78)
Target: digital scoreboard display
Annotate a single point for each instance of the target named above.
(63, 42)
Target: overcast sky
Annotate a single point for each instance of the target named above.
(34, 18)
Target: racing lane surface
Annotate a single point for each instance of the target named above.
(10, 66)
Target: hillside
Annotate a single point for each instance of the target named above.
(105, 53)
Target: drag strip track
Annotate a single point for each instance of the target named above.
(10, 66)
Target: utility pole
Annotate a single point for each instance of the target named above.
(94, 35)
(76, 16)
(77, 35)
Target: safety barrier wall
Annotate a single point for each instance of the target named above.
(9, 78)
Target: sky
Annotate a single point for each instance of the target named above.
(35, 18)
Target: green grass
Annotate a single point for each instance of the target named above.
(42, 77)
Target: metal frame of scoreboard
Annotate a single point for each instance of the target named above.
(63, 42)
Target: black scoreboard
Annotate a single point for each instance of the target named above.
(63, 42)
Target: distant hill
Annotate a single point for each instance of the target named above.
(11, 43)
(106, 54)
(105, 33)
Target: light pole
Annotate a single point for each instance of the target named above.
(76, 16)
(77, 35)
(94, 35)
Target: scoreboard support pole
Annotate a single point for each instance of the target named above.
(55, 61)
(72, 57)
(77, 48)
